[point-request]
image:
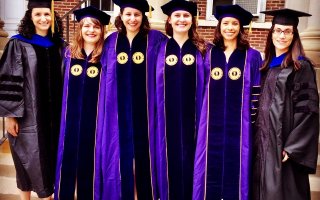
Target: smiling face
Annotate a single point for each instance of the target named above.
(230, 28)
(282, 37)
(90, 31)
(132, 19)
(41, 18)
(180, 21)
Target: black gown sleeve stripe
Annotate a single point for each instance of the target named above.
(302, 141)
(10, 88)
(11, 78)
(312, 96)
(11, 97)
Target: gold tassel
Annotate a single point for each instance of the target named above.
(250, 27)
(150, 11)
(109, 26)
(197, 18)
(52, 16)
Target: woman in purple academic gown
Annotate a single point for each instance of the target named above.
(75, 164)
(30, 97)
(223, 157)
(179, 86)
(126, 163)
(287, 127)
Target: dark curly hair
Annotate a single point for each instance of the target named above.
(242, 41)
(144, 29)
(27, 28)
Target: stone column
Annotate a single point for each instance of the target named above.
(311, 35)
(2, 32)
(3, 37)
(158, 18)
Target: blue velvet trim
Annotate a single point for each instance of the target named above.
(276, 61)
(36, 40)
(78, 155)
(124, 92)
(180, 91)
(225, 102)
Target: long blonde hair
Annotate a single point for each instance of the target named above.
(78, 42)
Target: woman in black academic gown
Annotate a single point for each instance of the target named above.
(287, 127)
(75, 164)
(179, 88)
(31, 89)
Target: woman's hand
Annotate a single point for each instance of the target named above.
(285, 156)
(12, 126)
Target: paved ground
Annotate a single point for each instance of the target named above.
(12, 197)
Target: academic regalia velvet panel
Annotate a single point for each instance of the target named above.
(180, 86)
(288, 120)
(75, 165)
(223, 155)
(31, 91)
(125, 135)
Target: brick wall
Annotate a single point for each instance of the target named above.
(62, 7)
(256, 38)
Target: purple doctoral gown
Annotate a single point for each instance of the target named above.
(107, 170)
(75, 163)
(223, 154)
(180, 87)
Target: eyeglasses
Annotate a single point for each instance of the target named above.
(286, 32)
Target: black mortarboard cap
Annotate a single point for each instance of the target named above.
(93, 12)
(141, 5)
(40, 3)
(175, 5)
(234, 11)
(286, 16)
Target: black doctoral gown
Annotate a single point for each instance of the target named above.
(31, 91)
(288, 120)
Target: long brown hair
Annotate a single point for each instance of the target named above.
(144, 28)
(295, 50)
(242, 41)
(78, 43)
(192, 33)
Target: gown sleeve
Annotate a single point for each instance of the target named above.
(255, 85)
(11, 81)
(302, 142)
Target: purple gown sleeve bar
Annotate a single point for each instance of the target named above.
(154, 41)
(200, 161)
(107, 170)
(251, 78)
(107, 160)
(62, 122)
(160, 136)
